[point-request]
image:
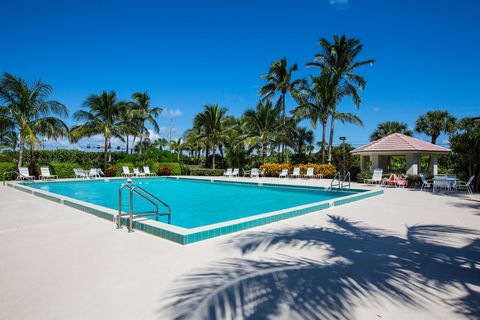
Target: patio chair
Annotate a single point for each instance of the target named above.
(94, 173)
(311, 173)
(255, 173)
(441, 182)
(283, 174)
(23, 174)
(376, 177)
(126, 171)
(137, 173)
(296, 173)
(425, 183)
(146, 171)
(396, 181)
(80, 173)
(228, 173)
(235, 172)
(464, 185)
(45, 174)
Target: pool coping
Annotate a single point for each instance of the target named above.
(187, 236)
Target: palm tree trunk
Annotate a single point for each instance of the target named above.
(21, 147)
(105, 156)
(214, 149)
(127, 143)
(265, 145)
(283, 126)
(330, 140)
(133, 144)
(324, 136)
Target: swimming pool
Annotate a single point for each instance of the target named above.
(198, 205)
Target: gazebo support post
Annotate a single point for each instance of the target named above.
(412, 163)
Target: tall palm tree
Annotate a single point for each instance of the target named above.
(161, 143)
(261, 125)
(103, 117)
(279, 80)
(210, 121)
(386, 128)
(317, 102)
(302, 139)
(28, 111)
(178, 146)
(145, 113)
(434, 123)
(340, 57)
(128, 124)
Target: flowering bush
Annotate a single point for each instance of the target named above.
(164, 171)
(274, 169)
(111, 171)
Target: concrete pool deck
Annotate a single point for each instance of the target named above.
(402, 255)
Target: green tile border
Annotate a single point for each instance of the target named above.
(192, 237)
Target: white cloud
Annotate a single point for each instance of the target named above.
(172, 113)
(376, 109)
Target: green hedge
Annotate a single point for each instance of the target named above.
(8, 167)
(206, 172)
(63, 169)
(177, 168)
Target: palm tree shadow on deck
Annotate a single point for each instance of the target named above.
(361, 265)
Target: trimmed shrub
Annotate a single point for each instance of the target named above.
(177, 169)
(5, 158)
(64, 169)
(206, 172)
(274, 169)
(164, 171)
(8, 167)
(111, 171)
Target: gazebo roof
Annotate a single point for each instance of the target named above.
(398, 142)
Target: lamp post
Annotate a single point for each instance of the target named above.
(343, 139)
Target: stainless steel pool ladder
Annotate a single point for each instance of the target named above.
(339, 183)
(133, 215)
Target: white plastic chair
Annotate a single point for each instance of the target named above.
(296, 173)
(228, 173)
(146, 171)
(80, 173)
(24, 174)
(235, 172)
(311, 173)
(126, 171)
(283, 174)
(94, 173)
(376, 177)
(255, 173)
(465, 185)
(137, 173)
(45, 174)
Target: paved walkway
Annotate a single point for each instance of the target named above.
(403, 255)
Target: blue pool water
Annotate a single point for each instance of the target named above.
(194, 203)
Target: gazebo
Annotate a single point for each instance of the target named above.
(376, 153)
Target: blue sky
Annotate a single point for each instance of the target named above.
(190, 53)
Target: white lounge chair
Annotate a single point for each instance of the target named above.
(296, 173)
(235, 172)
(94, 173)
(228, 173)
(283, 174)
(23, 174)
(126, 171)
(311, 173)
(146, 171)
(464, 185)
(80, 173)
(255, 173)
(137, 173)
(376, 177)
(45, 174)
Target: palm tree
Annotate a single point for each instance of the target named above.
(261, 125)
(103, 117)
(128, 124)
(210, 122)
(178, 146)
(145, 113)
(161, 143)
(340, 57)
(302, 139)
(28, 111)
(279, 80)
(434, 123)
(386, 128)
(317, 102)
